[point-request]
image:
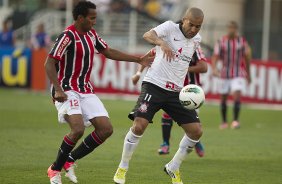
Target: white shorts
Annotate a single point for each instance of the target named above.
(88, 105)
(230, 85)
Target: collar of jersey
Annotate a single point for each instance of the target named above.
(180, 28)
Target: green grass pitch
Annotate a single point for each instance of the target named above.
(30, 136)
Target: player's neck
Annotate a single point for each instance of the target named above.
(232, 36)
(181, 29)
(78, 29)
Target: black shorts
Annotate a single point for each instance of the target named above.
(154, 98)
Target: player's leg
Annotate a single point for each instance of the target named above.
(103, 130)
(199, 147)
(77, 129)
(190, 122)
(224, 88)
(166, 123)
(223, 111)
(236, 109)
(70, 112)
(131, 140)
(130, 144)
(94, 111)
(143, 113)
(193, 133)
(237, 85)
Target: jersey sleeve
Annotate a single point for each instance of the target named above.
(199, 54)
(216, 49)
(162, 30)
(61, 45)
(245, 45)
(99, 43)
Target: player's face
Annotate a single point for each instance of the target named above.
(232, 30)
(90, 20)
(191, 26)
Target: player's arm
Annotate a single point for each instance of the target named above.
(55, 55)
(51, 72)
(200, 67)
(135, 78)
(152, 37)
(214, 59)
(110, 53)
(248, 57)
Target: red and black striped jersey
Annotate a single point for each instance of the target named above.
(232, 53)
(194, 78)
(75, 53)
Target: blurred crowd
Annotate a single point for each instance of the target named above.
(40, 39)
(154, 8)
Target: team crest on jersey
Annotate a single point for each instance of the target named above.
(143, 107)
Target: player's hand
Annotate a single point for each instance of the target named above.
(215, 73)
(60, 96)
(146, 60)
(168, 53)
(135, 78)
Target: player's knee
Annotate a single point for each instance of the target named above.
(137, 130)
(139, 126)
(77, 133)
(108, 131)
(105, 131)
(196, 134)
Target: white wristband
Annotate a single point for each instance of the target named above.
(138, 73)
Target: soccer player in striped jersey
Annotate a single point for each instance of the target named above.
(197, 65)
(68, 66)
(234, 52)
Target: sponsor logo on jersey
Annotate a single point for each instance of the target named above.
(181, 56)
(62, 46)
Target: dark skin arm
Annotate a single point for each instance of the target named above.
(214, 61)
(145, 60)
(51, 72)
(135, 78)
(248, 57)
(200, 67)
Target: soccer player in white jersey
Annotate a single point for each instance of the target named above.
(175, 46)
(197, 65)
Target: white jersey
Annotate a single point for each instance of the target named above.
(171, 75)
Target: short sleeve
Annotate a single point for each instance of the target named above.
(245, 46)
(199, 54)
(60, 46)
(216, 50)
(162, 30)
(99, 43)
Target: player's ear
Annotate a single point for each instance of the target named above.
(80, 17)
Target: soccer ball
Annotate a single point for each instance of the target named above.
(192, 96)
